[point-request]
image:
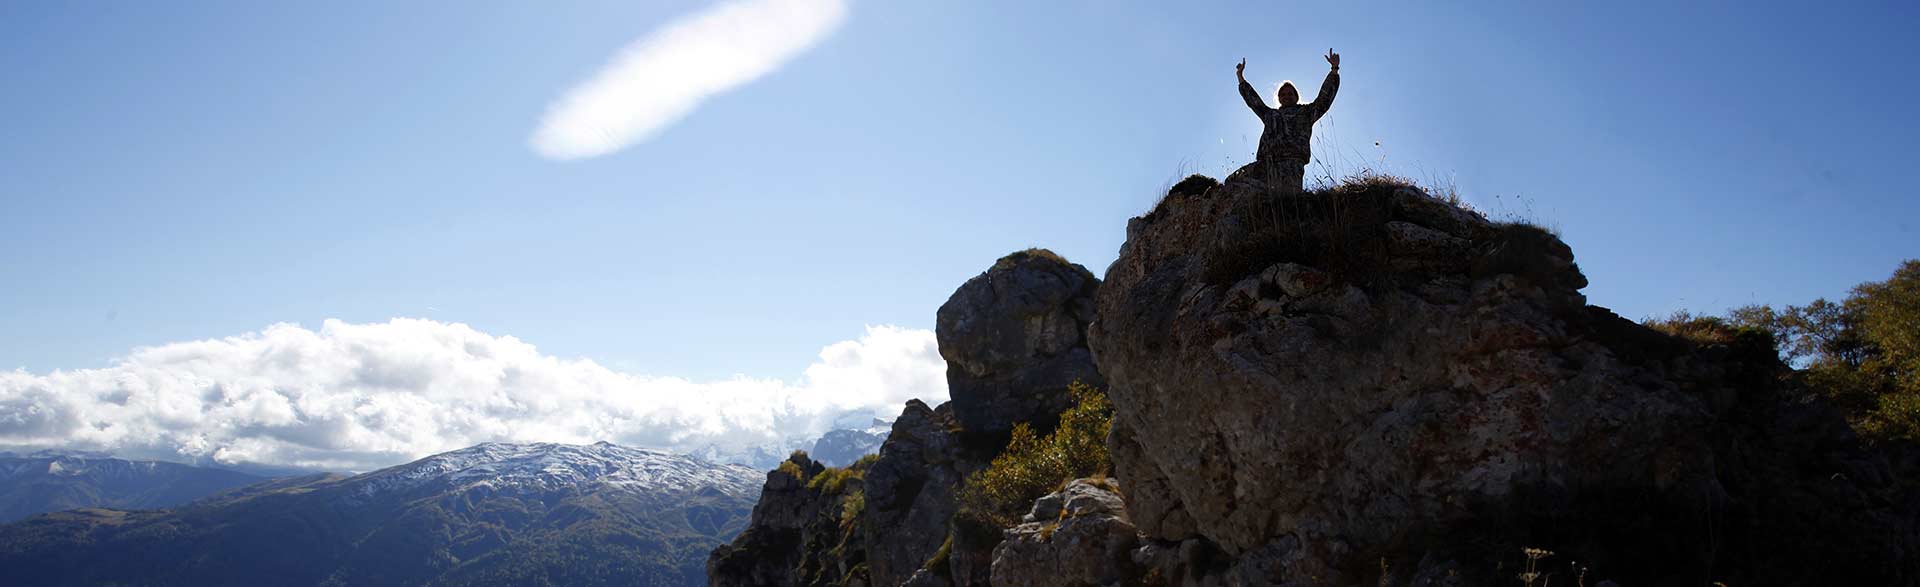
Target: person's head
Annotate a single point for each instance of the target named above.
(1287, 95)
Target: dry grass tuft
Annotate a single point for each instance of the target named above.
(1339, 229)
(791, 469)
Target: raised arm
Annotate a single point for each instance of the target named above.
(1247, 92)
(1329, 87)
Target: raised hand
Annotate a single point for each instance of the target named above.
(1241, 69)
(1332, 59)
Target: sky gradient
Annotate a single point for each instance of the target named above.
(193, 171)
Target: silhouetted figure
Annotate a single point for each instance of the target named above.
(1286, 144)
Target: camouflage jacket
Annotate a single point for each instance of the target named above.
(1289, 132)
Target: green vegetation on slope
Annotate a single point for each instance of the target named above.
(1862, 353)
(325, 530)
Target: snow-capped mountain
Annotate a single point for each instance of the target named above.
(491, 514)
(760, 457)
(853, 435)
(546, 467)
(840, 448)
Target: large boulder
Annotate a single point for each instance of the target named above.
(1077, 536)
(1372, 385)
(1014, 338)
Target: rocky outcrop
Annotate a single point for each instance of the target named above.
(797, 535)
(1364, 385)
(911, 491)
(804, 532)
(1370, 385)
(802, 535)
(1014, 338)
(1076, 536)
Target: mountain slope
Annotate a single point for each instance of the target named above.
(537, 514)
(49, 482)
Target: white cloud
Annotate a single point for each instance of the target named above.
(362, 396)
(662, 77)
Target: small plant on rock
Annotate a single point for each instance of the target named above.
(832, 480)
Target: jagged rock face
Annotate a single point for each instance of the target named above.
(774, 534)
(1317, 384)
(911, 490)
(1076, 536)
(799, 535)
(1014, 338)
(796, 536)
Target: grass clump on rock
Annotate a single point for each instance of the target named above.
(792, 469)
(832, 479)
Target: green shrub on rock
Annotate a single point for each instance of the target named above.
(1032, 466)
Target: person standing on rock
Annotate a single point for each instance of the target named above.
(1286, 143)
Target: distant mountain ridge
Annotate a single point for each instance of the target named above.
(839, 448)
(49, 481)
(545, 467)
(851, 437)
(494, 513)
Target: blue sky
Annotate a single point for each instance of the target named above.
(189, 171)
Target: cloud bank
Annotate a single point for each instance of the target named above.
(363, 396)
(662, 77)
